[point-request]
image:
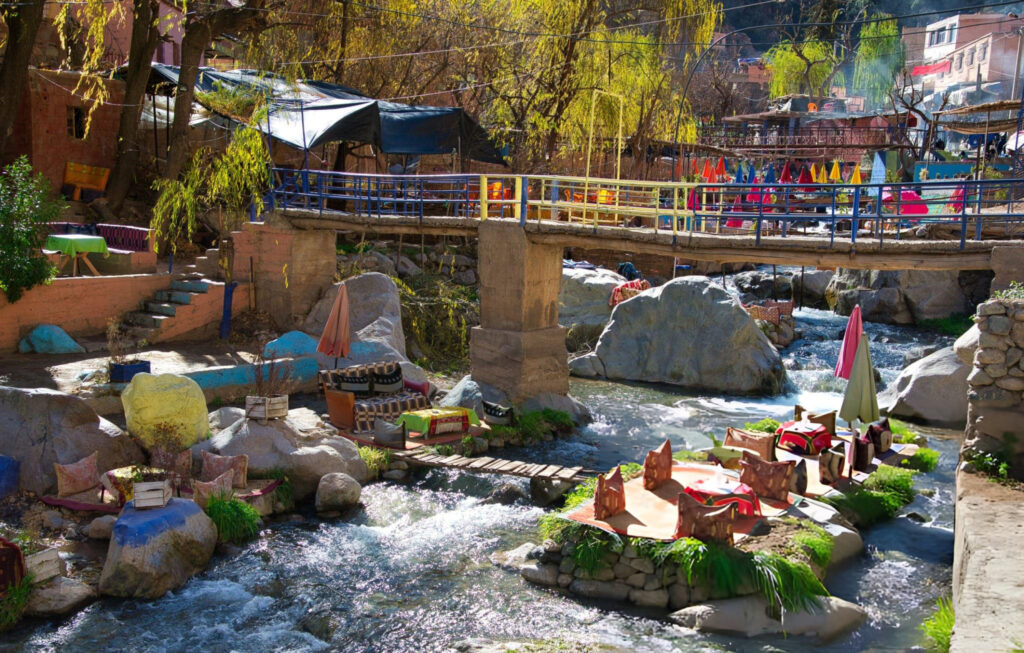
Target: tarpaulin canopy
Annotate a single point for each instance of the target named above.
(305, 114)
(932, 68)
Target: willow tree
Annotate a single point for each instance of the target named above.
(880, 56)
(803, 67)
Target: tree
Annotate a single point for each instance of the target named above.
(23, 20)
(802, 67)
(26, 206)
(145, 37)
(879, 57)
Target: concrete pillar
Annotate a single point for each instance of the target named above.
(1008, 265)
(519, 347)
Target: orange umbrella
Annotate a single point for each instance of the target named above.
(706, 174)
(694, 168)
(720, 170)
(336, 340)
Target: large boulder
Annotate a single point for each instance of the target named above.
(375, 312)
(900, 297)
(750, 616)
(470, 393)
(688, 332)
(467, 393)
(49, 339)
(933, 294)
(337, 491)
(40, 427)
(967, 344)
(933, 390)
(759, 284)
(157, 404)
(815, 283)
(157, 550)
(300, 444)
(583, 297)
(59, 596)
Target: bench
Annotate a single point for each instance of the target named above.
(355, 412)
(131, 248)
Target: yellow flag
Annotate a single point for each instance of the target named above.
(855, 177)
(836, 175)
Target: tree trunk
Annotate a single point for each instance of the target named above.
(23, 24)
(198, 35)
(145, 37)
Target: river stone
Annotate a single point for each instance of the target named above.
(1013, 356)
(932, 390)
(584, 295)
(541, 574)
(375, 312)
(999, 325)
(49, 339)
(337, 491)
(642, 564)
(847, 544)
(59, 596)
(544, 491)
(992, 307)
(156, 401)
(300, 444)
(815, 283)
(966, 345)
(514, 558)
(649, 598)
(101, 528)
(994, 371)
(40, 427)
(156, 550)
(749, 616)
(1011, 383)
(933, 294)
(689, 332)
(596, 589)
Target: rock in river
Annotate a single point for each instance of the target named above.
(749, 616)
(583, 298)
(934, 389)
(688, 332)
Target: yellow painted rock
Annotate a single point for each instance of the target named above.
(166, 410)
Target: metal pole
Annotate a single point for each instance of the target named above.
(590, 147)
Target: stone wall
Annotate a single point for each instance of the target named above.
(995, 410)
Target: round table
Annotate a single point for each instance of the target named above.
(75, 247)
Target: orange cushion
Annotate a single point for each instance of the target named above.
(78, 476)
(214, 466)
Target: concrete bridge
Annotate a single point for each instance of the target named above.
(519, 346)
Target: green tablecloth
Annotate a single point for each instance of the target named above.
(72, 244)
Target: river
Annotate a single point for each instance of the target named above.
(410, 571)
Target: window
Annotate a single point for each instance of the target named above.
(931, 38)
(940, 36)
(983, 52)
(970, 57)
(960, 61)
(76, 122)
(952, 33)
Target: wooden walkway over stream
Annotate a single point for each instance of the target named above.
(488, 465)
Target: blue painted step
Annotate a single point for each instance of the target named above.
(160, 308)
(174, 296)
(190, 286)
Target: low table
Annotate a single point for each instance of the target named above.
(75, 247)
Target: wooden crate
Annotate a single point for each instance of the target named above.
(44, 565)
(151, 494)
(264, 408)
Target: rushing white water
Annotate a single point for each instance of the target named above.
(410, 571)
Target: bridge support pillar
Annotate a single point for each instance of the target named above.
(519, 347)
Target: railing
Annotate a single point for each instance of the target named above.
(806, 136)
(966, 207)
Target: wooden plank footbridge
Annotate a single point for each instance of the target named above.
(488, 465)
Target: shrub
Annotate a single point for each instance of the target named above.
(13, 602)
(437, 315)
(815, 541)
(865, 507)
(892, 480)
(531, 426)
(923, 460)
(1015, 291)
(991, 464)
(939, 627)
(377, 460)
(236, 520)
(954, 325)
(25, 209)
(558, 421)
(467, 445)
(766, 425)
(902, 433)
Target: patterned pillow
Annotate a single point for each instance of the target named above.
(77, 477)
(767, 480)
(610, 497)
(387, 382)
(201, 492)
(658, 466)
(179, 465)
(354, 382)
(763, 444)
(496, 414)
(214, 466)
(705, 523)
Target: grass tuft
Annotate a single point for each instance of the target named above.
(13, 602)
(766, 425)
(903, 434)
(939, 627)
(468, 446)
(815, 541)
(531, 426)
(892, 480)
(558, 421)
(690, 456)
(923, 460)
(377, 460)
(236, 520)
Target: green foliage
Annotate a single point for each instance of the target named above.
(377, 459)
(467, 445)
(236, 520)
(815, 541)
(437, 314)
(865, 507)
(806, 67)
(582, 492)
(443, 450)
(592, 546)
(892, 480)
(902, 433)
(786, 584)
(531, 426)
(25, 210)
(285, 491)
(923, 460)
(684, 455)
(237, 102)
(630, 471)
(558, 421)
(939, 627)
(879, 58)
(954, 325)
(13, 602)
(992, 464)
(1015, 291)
(766, 425)
(179, 204)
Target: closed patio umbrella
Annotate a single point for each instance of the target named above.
(851, 340)
(336, 340)
(786, 177)
(860, 400)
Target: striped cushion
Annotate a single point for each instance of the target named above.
(386, 407)
(388, 382)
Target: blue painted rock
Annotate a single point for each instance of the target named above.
(290, 345)
(49, 339)
(157, 550)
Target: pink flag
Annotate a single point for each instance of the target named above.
(336, 340)
(851, 339)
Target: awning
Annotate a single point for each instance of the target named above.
(932, 68)
(306, 113)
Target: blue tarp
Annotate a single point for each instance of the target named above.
(305, 114)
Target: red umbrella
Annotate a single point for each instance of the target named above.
(805, 178)
(694, 168)
(693, 202)
(851, 340)
(754, 196)
(720, 170)
(787, 175)
(336, 340)
(737, 207)
(706, 174)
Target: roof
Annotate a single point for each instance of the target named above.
(307, 113)
(1000, 105)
